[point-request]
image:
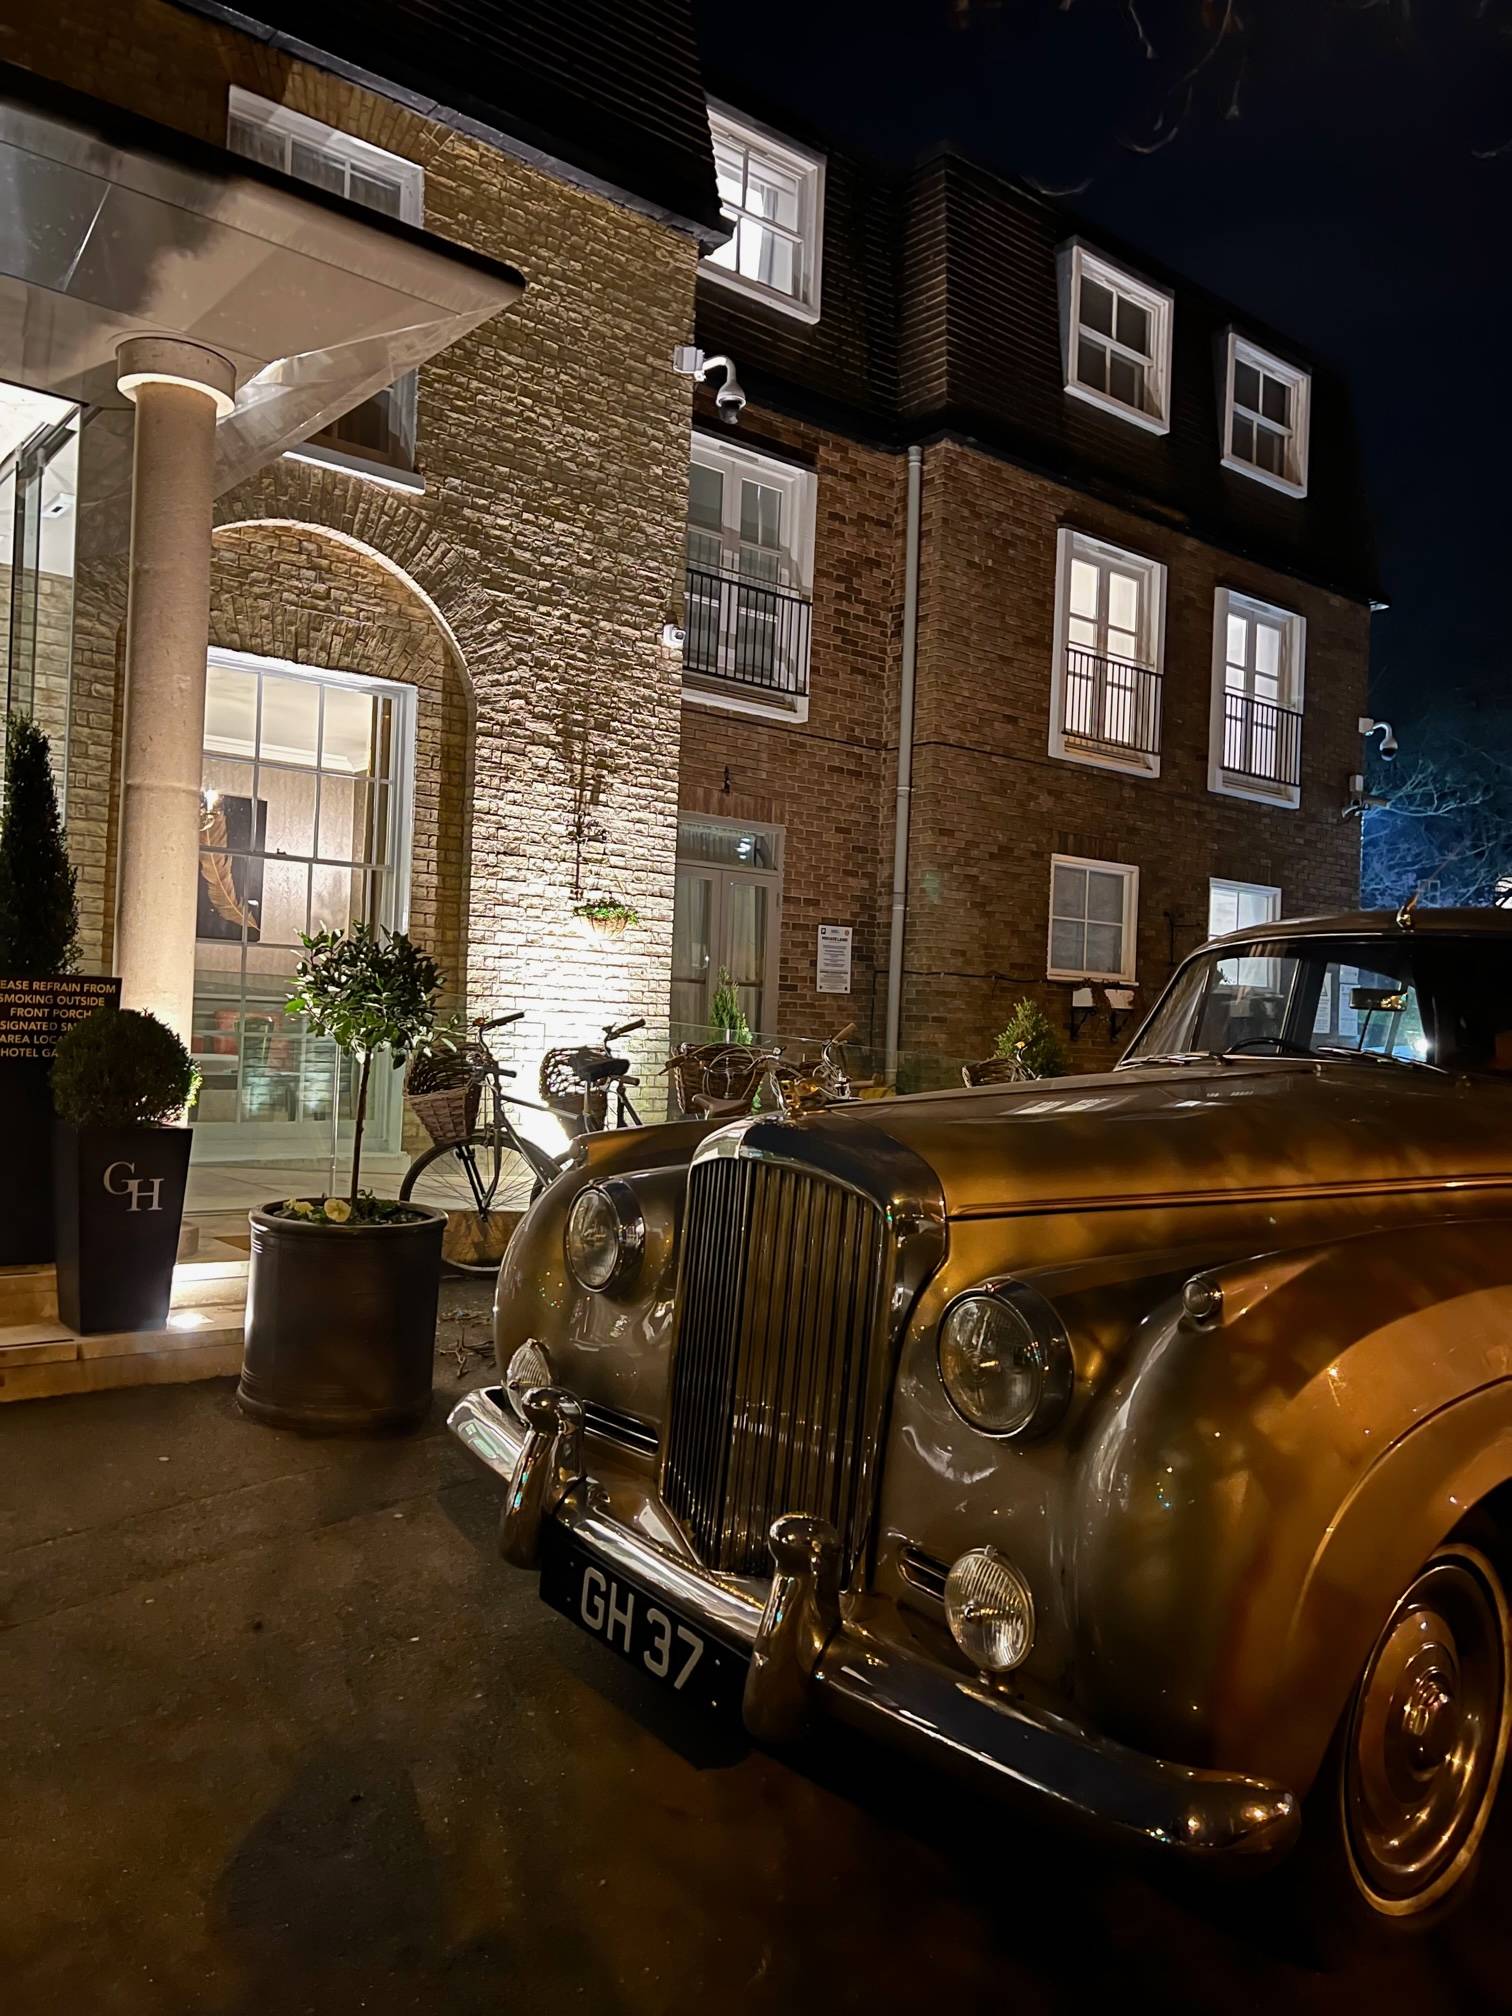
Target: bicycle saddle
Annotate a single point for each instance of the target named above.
(597, 1068)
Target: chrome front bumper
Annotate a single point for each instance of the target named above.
(807, 1659)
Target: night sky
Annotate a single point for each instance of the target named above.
(1345, 204)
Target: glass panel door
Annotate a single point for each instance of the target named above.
(729, 888)
(306, 777)
(39, 481)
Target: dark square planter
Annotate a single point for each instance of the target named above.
(118, 1200)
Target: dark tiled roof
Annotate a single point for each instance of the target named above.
(609, 90)
(940, 312)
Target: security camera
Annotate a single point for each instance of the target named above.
(1389, 744)
(690, 362)
(1388, 747)
(730, 400)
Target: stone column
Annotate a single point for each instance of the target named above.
(179, 391)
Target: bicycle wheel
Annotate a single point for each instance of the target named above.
(484, 1186)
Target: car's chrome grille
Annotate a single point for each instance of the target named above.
(782, 1282)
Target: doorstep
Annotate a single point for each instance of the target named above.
(40, 1357)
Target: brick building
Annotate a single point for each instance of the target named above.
(438, 281)
(1141, 630)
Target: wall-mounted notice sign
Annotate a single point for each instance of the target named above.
(834, 961)
(34, 1015)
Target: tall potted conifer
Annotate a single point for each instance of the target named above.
(39, 910)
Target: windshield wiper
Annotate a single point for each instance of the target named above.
(1380, 1057)
(1176, 1057)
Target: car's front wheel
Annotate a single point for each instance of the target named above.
(1422, 1746)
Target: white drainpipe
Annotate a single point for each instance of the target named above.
(905, 762)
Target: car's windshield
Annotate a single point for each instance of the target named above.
(1425, 1000)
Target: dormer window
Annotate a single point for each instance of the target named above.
(772, 194)
(1115, 339)
(1266, 417)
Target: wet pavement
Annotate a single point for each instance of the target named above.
(279, 1733)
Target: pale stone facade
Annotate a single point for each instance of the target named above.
(522, 593)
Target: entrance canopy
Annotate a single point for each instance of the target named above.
(112, 227)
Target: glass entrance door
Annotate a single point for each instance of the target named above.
(725, 917)
(303, 812)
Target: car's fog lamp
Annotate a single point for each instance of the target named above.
(528, 1368)
(605, 1235)
(1005, 1361)
(990, 1610)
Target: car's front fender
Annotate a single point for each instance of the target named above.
(1256, 1490)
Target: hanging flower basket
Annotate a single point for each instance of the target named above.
(604, 917)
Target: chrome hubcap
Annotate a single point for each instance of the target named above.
(1427, 1735)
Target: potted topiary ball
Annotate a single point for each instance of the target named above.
(120, 1083)
(342, 1291)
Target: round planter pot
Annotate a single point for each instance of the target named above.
(341, 1323)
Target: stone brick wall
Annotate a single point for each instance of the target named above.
(545, 551)
(825, 781)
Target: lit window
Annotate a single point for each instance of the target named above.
(382, 429)
(750, 545)
(1116, 339)
(1234, 906)
(1265, 434)
(1109, 641)
(772, 193)
(1094, 907)
(1256, 739)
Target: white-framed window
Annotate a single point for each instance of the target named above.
(1235, 906)
(380, 433)
(1266, 413)
(1115, 338)
(747, 606)
(1094, 919)
(772, 193)
(1108, 652)
(1255, 744)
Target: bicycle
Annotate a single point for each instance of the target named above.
(480, 1169)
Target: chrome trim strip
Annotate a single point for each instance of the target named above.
(911, 1701)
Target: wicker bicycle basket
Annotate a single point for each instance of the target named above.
(995, 1071)
(443, 1090)
(722, 1070)
(562, 1088)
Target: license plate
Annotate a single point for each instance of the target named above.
(641, 1626)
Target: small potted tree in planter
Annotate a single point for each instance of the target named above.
(1027, 1046)
(120, 1166)
(727, 1019)
(342, 1293)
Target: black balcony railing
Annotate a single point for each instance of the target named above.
(1111, 705)
(1262, 740)
(747, 632)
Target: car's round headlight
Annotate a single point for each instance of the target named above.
(605, 1235)
(528, 1368)
(1005, 1361)
(990, 1610)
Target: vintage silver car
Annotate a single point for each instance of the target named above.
(1142, 1442)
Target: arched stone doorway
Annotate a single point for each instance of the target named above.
(337, 752)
